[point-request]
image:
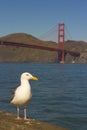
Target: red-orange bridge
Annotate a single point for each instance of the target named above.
(73, 53)
(61, 48)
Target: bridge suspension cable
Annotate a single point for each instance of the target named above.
(67, 34)
(50, 35)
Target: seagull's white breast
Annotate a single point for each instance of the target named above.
(22, 95)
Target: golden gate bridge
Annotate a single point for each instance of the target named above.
(60, 40)
(59, 34)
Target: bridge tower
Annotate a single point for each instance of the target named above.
(61, 39)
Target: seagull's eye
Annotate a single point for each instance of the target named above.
(27, 74)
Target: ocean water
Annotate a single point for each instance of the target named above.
(59, 96)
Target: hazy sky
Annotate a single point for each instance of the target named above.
(38, 16)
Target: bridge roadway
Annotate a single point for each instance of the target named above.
(6, 43)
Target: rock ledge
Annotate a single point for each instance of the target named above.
(8, 122)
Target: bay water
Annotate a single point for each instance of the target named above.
(59, 96)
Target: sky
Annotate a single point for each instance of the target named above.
(36, 17)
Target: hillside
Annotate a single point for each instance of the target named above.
(20, 54)
(28, 39)
(76, 45)
(79, 46)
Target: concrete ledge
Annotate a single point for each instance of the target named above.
(8, 122)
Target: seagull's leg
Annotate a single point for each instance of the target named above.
(25, 114)
(18, 113)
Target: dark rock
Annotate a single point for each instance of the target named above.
(8, 122)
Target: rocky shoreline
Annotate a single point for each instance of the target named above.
(8, 122)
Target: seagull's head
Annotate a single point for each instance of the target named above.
(28, 76)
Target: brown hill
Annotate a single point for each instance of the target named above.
(27, 39)
(76, 45)
(20, 54)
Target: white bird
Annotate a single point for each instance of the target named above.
(22, 94)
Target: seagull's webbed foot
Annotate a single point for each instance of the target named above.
(18, 118)
(26, 119)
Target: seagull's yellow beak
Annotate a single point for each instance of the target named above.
(34, 78)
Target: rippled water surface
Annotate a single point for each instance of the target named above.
(59, 96)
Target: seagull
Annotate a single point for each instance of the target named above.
(22, 95)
